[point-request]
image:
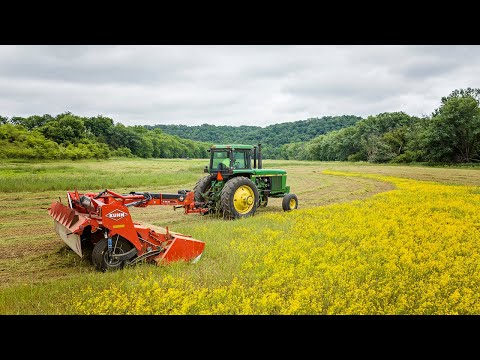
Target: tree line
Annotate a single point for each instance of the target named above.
(67, 136)
(451, 134)
(272, 137)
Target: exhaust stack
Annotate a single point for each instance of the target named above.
(260, 156)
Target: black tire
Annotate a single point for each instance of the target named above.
(100, 253)
(289, 202)
(202, 186)
(239, 198)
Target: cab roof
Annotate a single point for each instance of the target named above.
(232, 146)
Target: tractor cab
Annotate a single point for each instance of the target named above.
(232, 158)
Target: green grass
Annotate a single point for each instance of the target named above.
(38, 272)
(66, 175)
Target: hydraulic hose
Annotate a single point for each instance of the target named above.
(146, 196)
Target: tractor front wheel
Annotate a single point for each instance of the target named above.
(289, 202)
(101, 257)
(239, 198)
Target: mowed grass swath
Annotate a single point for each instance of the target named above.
(361, 242)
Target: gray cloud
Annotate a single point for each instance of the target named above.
(236, 85)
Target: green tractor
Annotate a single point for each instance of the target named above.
(235, 189)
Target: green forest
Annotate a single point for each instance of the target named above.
(67, 136)
(451, 134)
(272, 137)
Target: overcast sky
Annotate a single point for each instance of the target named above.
(231, 85)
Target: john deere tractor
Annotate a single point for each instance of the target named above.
(235, 189)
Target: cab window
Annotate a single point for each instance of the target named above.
(220, 157)
(241, 160)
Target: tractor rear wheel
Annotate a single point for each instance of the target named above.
(289, 202)
(239, 198)
(201, 187)
(100, 256)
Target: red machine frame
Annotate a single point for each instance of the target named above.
(105, 215)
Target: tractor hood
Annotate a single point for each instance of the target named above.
(260, 172)
(268, 172)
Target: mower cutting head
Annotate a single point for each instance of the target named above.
(103, 221)
(69, 225)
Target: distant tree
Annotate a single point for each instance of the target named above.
(34, 122)
(294, 151)
(17, 120)
(468, 92)
(413, 142)
(66, 128)
(99, 126)
(124, 136)
(3, 120)
(453, 134)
